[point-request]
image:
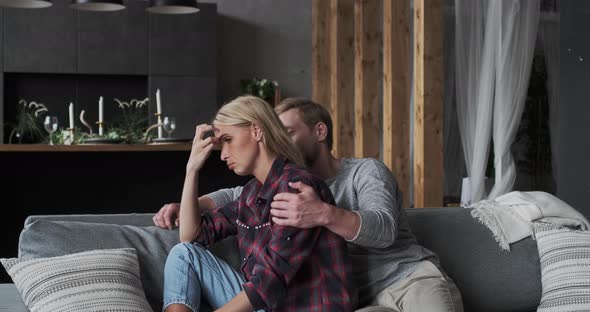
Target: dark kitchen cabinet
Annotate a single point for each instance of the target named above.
(40, 40)
(184, 45)
(114, 42)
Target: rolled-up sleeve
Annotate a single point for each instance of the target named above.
(218, 224)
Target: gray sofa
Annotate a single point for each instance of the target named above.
(489, 279)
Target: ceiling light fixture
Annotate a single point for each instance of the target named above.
(98, 5)
(173, 6)
(25, 4)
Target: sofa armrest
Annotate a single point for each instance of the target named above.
(10, 299)
(136, 219)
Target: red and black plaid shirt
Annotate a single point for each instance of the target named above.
(286, 269)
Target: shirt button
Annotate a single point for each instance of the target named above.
(288, 238)
(244, 259)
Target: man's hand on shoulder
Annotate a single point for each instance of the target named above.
(301, 210)
(167, 217)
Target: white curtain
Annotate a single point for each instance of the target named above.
(515, 49)
(476, 35)
(454, 164)
(549, 38)
(494, 50)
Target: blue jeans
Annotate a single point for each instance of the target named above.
(192, 271)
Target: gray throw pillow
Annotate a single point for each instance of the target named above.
(56, 238)
(98, 280)
(565, 268)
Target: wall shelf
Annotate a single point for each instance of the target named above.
(95, 147)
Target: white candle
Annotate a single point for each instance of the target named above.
(158, 102)
(159, 109)
(71, 115)
(100, 116)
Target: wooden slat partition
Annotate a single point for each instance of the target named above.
(342, 76)
(331, 87)
(2, 125)
(396, 92)
(320, 57)
(367, 44)
(428, 103)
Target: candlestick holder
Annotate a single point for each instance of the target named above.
(159, 116)
(100, 128)
(69, 139)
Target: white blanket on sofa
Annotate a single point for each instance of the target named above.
(510, 217)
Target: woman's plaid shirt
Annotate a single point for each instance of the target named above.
(286, 268)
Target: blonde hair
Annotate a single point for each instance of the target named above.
(247, 110)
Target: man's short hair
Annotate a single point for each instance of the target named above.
(311, 113)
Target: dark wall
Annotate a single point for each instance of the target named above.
(265, 38)
(573, 167)
(101, 182)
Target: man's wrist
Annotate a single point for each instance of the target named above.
(345, 223)
(329, 216)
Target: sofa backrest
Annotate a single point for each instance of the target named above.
(489, 279)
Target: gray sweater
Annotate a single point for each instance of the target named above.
(384, 250)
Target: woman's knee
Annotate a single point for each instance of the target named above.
(184, 250)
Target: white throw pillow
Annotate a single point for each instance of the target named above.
(565, 268)
(96, 280)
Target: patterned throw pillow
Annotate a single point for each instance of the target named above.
(565, 268)
(98, 280)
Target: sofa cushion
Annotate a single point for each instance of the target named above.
(56, 238)
(489, 279)
(565, 268)
(97, 280)
(41, 238)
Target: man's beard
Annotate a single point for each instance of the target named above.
(310, 156)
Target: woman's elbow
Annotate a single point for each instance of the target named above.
(187, 237)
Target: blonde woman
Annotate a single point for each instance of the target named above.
(283, 268)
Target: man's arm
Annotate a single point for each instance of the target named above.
(306, 210)
(224, 196)
(372, 224)
(379, 205)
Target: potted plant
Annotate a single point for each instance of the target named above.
(28, 127)
(265, 89)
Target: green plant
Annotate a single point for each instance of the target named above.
(28, 126)
(133, 122)
(58, 136)
(262, 88)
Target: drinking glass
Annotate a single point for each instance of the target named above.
(50, 126)
(169, 125)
